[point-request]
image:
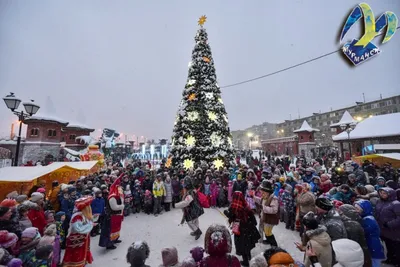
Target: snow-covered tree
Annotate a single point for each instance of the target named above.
(201, 131)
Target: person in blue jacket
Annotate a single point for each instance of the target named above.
(371, 230)
(98, 206)
(308, 176)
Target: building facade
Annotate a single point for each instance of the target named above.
(320, 120)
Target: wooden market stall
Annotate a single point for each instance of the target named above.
(381, 159)
(21, 179)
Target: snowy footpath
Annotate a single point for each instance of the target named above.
(165, 230)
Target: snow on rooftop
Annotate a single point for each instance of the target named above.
(374, 127)
(346, 119)
(44, 117)
(305, 127)
(47, 113)
(79, 125)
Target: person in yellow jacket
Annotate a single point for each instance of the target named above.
(158, 193)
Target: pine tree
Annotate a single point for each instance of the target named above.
(201, 131)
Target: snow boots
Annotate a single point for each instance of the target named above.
(272, 241)
(197, 234)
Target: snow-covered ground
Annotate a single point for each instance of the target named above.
(165, 230)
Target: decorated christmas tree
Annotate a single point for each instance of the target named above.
(201, 132)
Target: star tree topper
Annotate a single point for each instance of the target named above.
(202, 20)
(188, 163)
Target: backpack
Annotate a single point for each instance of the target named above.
(203, 200)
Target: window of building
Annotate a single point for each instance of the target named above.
(357, 109)
(365, 107)
(313, 118)
(375, 105)
(388, 103)
(72, 137)
(382, 104)
(301, 137)
(51, 133)
(333, 130)
(332, 115)
(325, 123)
(34, 132)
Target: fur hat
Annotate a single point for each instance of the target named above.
(51, 230)
(197, 253)
(324, 203)
(36, 197)
(30, 232)
(266, 186)
(46, 240)
(169, 256)
(137, 254)
(7, 239)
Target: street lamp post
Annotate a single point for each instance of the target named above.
(348, 127)
(30, 109)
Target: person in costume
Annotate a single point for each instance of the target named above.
(191, 208)
(111, 227)
(77, 251)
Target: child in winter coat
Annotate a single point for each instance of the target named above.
(148, 202)
(249, 196)
(50, 237)
(281, 205)
(60, 218)
(137, 197)
(221, 195)
(98, 207)
(43, 256)
(176, 190)
(127, 200)
(230, 191)
(289, 207)
(137, 254)
(214, 193)
(29, 240)
(380, 183)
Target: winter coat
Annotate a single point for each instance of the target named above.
(176, 187)
(148, 184)
(168, 192)
(221, 196)
(11, 226)
(347, 253)
(306, 202)
(326, 184)
(207, 190)
(240, 186)
(270, 209)
(249, 234)
(342, 197)
(360, 176)
(320, 242)
(371, 230)
(190, 206)
(25, 223)
(98, 205)
(387, 213)
(334, 224)
(38, 219)
(230, 191)
(214, 193)
(158, 189)
(287, 199)
(218, 246)
(351, 220)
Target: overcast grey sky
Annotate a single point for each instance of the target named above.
(124, 63)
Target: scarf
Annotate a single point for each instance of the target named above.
(239, 206)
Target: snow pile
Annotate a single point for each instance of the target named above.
(346, 119)
(374, 127)
(305, 127)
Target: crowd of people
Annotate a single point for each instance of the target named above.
(335, 210)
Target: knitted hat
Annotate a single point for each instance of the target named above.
(197, 253)
(59, 215)
(138, 252)
(324, 204)
(169, 256)
(12, 195)
(36, 197)
(7, 239)
(21, 198)
(51, 230)
(15, 263)
(30, 232)
(41, 190)
(10, 203)
(281, 259)
(46, 240)
(188, 262)
(310, 221)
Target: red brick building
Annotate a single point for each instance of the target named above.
(280, 146)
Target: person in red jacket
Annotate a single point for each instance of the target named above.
(37, 215)
(326, 183)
